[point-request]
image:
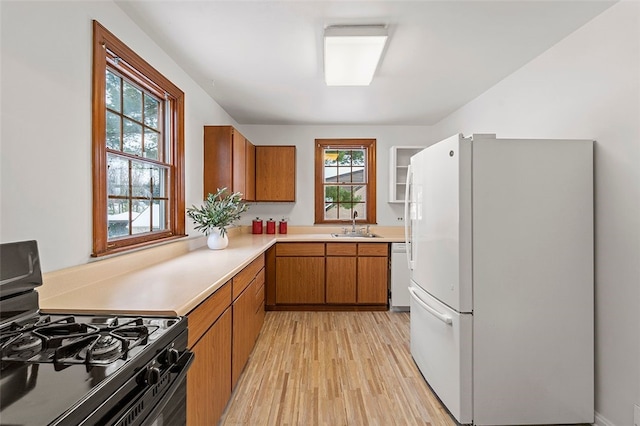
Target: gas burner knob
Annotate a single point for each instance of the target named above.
(152, 376)
(172, 356)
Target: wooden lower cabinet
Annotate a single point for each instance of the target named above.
(328, 276)
(209, 377)
(372, 280)
(299, 273)
(248, 317)
(341, 273)
(341, 280)
(259, 303)
(299, 280)
(222, 333)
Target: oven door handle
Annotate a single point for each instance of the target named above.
(183, 363)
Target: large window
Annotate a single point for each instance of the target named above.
(345, 180)
(138, 144)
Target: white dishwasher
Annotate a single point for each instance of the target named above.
(399, 278)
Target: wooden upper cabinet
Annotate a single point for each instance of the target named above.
(229, 162)
(275, 172)
(250, 172)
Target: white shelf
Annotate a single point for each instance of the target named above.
(399, 158)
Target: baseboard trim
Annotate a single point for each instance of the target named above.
(602, 421)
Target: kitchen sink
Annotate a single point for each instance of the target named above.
(356, 235)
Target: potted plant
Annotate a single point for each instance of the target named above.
(219, 210)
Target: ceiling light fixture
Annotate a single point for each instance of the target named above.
(352, 53)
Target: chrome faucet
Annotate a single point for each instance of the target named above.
(353, 227)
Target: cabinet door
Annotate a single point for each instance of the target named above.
(341, 280)
(229, 161)
(243, 331)
(299, 280)
(218, 158)
(259, 297)
(373, 280)
(275, 173)
(239, 168)
(209, 377)
(270, 278)
(249, 172)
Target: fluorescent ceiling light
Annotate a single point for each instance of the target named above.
(352, 54)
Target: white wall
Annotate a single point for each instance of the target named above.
(45, 145)
(302, 212)
(588, 86)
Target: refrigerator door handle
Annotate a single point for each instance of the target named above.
(442, 317)
(407, 219)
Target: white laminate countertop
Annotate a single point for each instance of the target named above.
(174, 286)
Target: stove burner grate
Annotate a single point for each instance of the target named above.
(66, 341)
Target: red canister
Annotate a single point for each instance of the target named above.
(256, 227)
(271, 226)
(282, 227)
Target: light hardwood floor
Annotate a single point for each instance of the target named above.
(333, 368)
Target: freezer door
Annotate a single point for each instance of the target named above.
(441, 345)
(441, 221)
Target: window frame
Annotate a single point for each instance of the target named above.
(341, 144)
(143, 74)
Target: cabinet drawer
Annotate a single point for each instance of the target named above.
(242, 279)
(206, 313)
(373, 249)
(341, 249)
(300, 249)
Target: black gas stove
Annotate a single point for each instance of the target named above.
(84, 369)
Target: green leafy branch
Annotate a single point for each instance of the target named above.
(343, 196)
(218, 211)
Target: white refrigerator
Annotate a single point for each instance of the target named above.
(500, 248)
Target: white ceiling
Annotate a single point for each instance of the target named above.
(262, 60)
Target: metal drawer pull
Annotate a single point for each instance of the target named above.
(442, 317)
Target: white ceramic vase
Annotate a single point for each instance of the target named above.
(217, 242)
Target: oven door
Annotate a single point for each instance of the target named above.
(171, 409)
(155, 396)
